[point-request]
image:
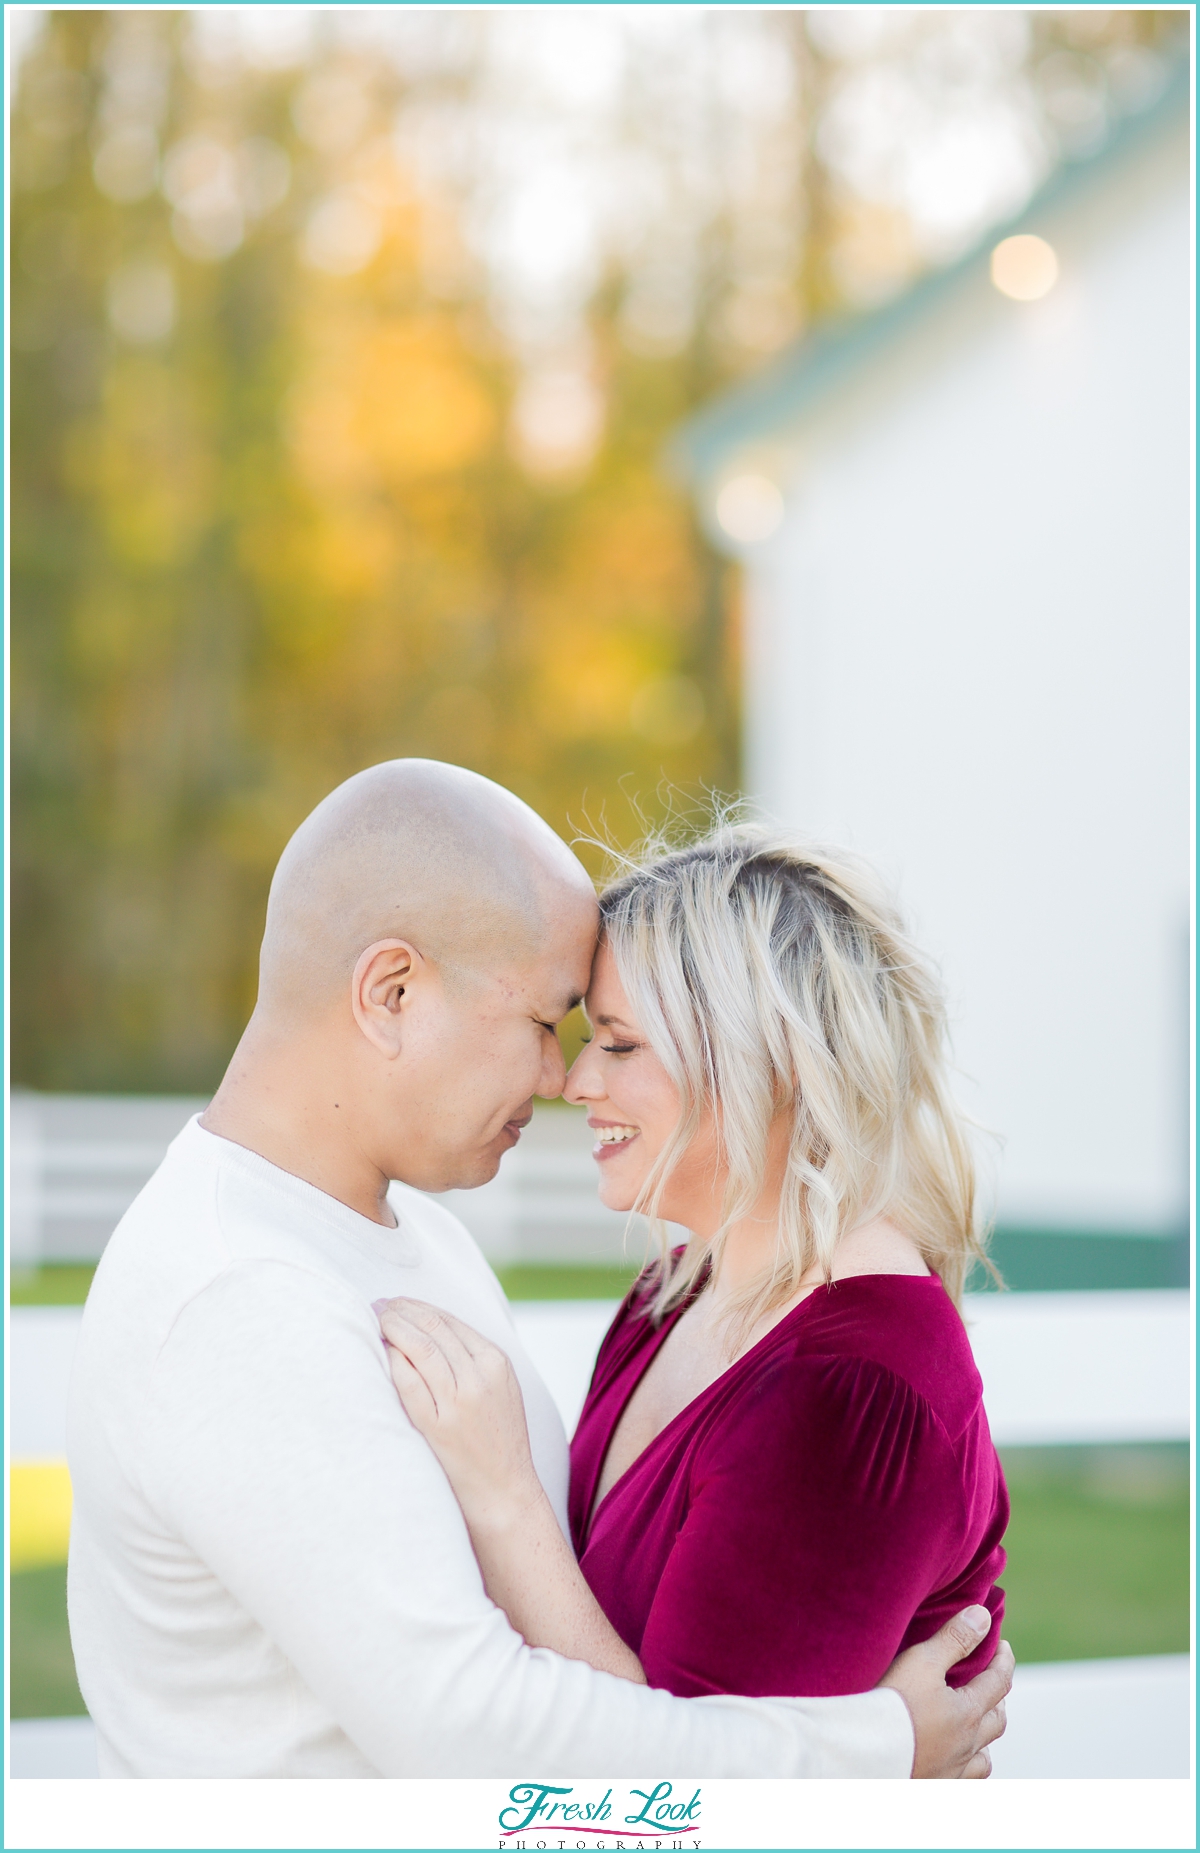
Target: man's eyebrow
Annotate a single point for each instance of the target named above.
(564, 1010)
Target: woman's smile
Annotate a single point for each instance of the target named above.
(611, 1138)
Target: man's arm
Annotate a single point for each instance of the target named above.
(276, 1446)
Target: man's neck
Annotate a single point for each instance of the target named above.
(280, 1098)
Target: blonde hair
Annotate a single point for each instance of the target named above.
(773, 977)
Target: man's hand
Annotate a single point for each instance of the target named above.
(952, 1729)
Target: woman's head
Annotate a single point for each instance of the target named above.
(762, 1021)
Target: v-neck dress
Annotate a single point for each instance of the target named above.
(833, 1498)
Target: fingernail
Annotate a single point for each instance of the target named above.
(377, 1307)
(978, 1618)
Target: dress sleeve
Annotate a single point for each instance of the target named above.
(825, 1501)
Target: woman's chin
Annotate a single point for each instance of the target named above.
(616, 1196)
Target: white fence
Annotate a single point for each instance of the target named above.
(1057, 1368)
(78, 1161)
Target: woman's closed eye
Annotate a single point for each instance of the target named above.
(620, 1048)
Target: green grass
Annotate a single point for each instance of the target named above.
(1030, 1260)
(61, 1284)
(562, 1281)
(40, 1660)
(1098, 1566)
(1098, 1551)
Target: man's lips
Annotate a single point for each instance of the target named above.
(517, 1126)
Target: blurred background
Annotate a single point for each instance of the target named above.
(630, 404)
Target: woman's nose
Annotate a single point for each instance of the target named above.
(581, 1083)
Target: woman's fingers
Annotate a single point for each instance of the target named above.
(416, 1398)
(458, 1339)
(477, 1411)
(481, 1369)
(438, 1327)
(473, 1342)
(490, 1369)
(426, 1352)
(462, 1394)
(419, 1326)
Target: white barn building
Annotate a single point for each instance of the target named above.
(967, 643)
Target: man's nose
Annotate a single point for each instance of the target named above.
(554, 1071)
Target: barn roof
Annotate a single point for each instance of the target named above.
(817, 363)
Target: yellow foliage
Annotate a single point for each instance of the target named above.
(142, 460)
(588, 683)
(39, 1513)
(458, 720)
(106, 626)
(637, 552)
(396, 402)
(416, 408)
(352, 551)
(272, 533)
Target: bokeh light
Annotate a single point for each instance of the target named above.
(1024, 267)
(749, 507)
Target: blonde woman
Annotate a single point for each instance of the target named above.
(783, 1474)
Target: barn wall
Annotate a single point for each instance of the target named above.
(969, 657)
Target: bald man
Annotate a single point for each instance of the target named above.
(269, 1575)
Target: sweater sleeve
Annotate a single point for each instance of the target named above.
(823, 1504)
(276, 1447)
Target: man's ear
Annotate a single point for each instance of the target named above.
(379, 988)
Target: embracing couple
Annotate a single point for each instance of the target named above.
(325, 1522)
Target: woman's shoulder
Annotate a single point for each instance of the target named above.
(828, 1426)
(900, 1327)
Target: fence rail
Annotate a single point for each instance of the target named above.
(79, 1160)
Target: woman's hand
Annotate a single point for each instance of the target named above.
(460, 1391)
(462, 1394)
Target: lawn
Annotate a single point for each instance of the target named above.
(64, 1284)
(1098, 1545)
(551, 1281)
(40, 1662)
(1029, 1260)
(1098, 1566)
(1098, 1551)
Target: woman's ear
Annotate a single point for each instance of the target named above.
(379, 990)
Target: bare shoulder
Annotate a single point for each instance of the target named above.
(880, 1246)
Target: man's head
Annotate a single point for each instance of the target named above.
(425, 933)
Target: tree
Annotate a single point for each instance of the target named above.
(327, 447)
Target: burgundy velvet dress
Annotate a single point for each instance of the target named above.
(832, 1498)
